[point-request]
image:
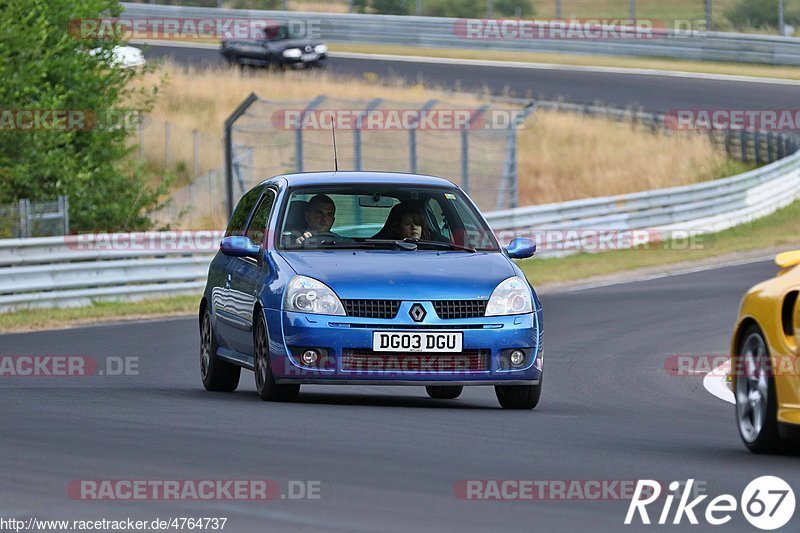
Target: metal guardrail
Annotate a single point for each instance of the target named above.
(437, 32)
(48, 272)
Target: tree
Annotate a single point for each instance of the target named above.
(50, 64)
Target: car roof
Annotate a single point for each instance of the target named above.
(366, 178)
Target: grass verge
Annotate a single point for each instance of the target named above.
(42, 319)
(776, 230)
(703, 67)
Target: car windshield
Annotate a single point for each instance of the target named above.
(402, 218)
(281, 33)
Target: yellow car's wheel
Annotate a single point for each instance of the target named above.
(756, 402)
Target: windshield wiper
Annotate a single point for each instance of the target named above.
(441, 244)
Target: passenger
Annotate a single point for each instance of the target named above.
(406, 221)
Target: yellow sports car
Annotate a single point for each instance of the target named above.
(766, 359)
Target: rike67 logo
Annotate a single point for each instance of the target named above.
(767, 502)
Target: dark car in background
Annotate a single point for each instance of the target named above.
(280, 47)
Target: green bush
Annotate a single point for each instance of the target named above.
(45, 65)
(760, 14)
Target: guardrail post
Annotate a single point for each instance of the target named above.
(238, 112)
(412, 137)
(298, 139)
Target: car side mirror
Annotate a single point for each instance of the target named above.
(239, 246)
(521, 248)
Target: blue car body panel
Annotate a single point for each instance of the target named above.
(239, 288)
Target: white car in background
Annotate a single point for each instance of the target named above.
(125, 56)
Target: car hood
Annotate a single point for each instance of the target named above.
(384, 274)
(286, 44)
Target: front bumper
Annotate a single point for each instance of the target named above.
(343, 340)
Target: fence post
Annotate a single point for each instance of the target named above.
(510, 179)
(770, 147)
(298, 135)
(166, 143)
(141, 135)
(24, 218)
(757, 146)
(465, 146)
(728, 145)
(357, 133)
(743, 145)
(63, 206)
(195, 152)
(412, 136)
(243, 107)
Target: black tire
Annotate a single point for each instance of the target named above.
(267, 389)
(444, 392)
(749, 390)
(217, 375)
(518, 396)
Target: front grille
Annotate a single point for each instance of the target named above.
(450, 309)
(367, 360)
(372, 308)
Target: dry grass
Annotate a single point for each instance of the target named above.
(561, 156)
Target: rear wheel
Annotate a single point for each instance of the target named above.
(518, 396)
(445, 392)
(218, 375)
(266, 387)
(756, 401)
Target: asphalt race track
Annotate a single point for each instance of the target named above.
(653, 93)
(387, 458)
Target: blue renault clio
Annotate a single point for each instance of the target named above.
(369, 278)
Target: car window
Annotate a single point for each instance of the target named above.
(242, 212)
(258, 224)
(364, 213)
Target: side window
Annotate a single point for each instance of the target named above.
(242, 212)
(258, 224)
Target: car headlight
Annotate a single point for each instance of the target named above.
(292, 53)
(511, 297)
(321, 49)
(307, 295)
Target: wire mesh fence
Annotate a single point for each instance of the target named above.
(474, 147)
(26, 219)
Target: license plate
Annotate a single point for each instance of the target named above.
(309, 57)
(430, 342)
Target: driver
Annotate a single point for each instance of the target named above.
(320, 216)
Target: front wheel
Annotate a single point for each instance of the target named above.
(217, 375)
(518, 396)
(266, 387)
(756, 401)
(446, 392)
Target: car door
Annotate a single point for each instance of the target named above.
(251, 273)
(224, 304)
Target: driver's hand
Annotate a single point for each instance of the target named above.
(303, 237)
